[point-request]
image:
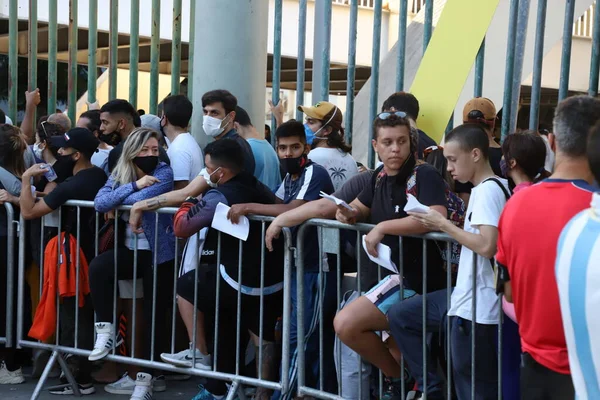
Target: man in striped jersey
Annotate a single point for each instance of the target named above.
(527, 236)
(578, 280)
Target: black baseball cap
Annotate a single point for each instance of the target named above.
(80, 139)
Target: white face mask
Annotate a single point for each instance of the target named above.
(212, 126)
(38, 151)
(204, 173)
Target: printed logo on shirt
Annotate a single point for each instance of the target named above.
(208, 252)
(397, 209)
(338, 173)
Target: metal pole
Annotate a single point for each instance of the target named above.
(538, 57)
(401, 45)
(518, 68)
(13, 54)
(72, 77)
(154, 56)
(510, 63)
(276, 78)
(479, 62)
(113, 51)
(565, 61)
(134, 51)
(321, 51)
(52, 48)
(92, 49)
(300, 68)
(351, 70)
(374, 74)
(190, 75)
(176, 48)
(595, 63)
(428, 24)
(32, 45)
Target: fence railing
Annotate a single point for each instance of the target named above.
(78, 347)
(8, 289)
(311, 296)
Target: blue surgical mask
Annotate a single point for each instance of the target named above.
(310, 135)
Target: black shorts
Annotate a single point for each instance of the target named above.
(250, 305)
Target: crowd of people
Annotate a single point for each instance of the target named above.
(522, 215)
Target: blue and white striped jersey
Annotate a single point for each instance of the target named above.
(578, 280)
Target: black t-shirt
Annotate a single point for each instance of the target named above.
(63, 169)
(494, 155)
(243, 188)
(115, 153)
(82, 186)
(386, 197)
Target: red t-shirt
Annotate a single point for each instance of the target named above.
(528, 234)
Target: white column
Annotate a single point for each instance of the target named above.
(230, 52)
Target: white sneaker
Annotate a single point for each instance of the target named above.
(143, 387)
(184, 359)
(10, 377)
(104, 341)
(68, 390)
(126, 385)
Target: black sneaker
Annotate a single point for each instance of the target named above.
(84, 389)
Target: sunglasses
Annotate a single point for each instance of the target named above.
(385, 115)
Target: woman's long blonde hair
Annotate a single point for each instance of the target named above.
(124, 171)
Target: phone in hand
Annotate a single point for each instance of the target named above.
(49, 174)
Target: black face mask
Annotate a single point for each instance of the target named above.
(67, 161)
(146, 164)
(293, 165)
(112, 139)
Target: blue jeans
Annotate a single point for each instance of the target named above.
(314, 294)
(407, 329)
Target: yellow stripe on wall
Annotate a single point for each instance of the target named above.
(448, 61)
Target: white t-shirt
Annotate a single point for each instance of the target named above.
(186, 157)
(339, 165)
(549, 163)
(99, 156)
(485, 206)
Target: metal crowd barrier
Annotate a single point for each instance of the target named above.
(329, 241)
(7, 339)
(58, 350)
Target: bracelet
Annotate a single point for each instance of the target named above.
(135, 186)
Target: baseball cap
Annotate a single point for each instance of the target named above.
(81, 139)
(318, 111)
(485, 106)
(151, 121)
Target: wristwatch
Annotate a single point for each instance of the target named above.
(191, 199)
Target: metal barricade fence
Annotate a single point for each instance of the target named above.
(7, 339)
(58, 347)
(330, 241)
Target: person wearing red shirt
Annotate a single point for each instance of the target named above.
(528, 234)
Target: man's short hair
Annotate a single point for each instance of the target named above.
(470, 136)
(2, 117)
(120, 106)
(60, 119)
(572, 121)
(222, 96)
(402, 101)
(291, 128)
(226, 153)
(93, 116)
(593, 151)
(242, 117)
(178, 110)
